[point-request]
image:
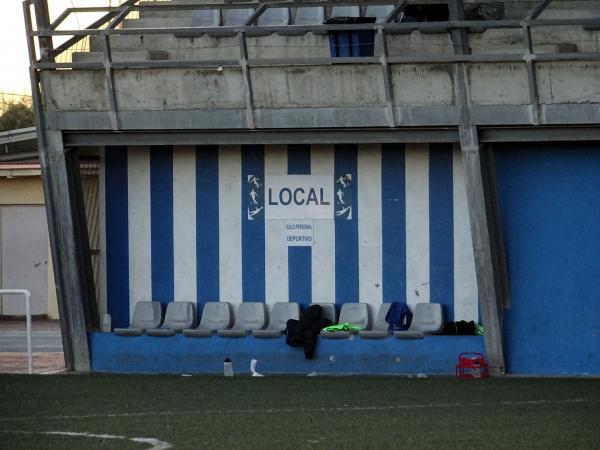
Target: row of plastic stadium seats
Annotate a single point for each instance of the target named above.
(251, 318)
(278, 17)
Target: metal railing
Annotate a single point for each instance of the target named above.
(27, 295)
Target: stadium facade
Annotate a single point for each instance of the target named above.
(445, 153)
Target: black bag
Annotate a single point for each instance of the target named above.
(304, 332)
(461, 327)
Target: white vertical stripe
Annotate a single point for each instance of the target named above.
(276, 250)
(184, 223)
(417, 224)
(138, 197)
(465, 281)
(369, 224)
(230, 224)
(323, 250)
(102, 305)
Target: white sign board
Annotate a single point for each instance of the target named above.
(299, 233)
(299, 197)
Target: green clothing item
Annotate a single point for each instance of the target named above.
(479, 330)
(343, 327)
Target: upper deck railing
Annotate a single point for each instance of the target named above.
(108, 27)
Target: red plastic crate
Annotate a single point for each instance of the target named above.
(471, 365)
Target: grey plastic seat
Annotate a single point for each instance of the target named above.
(280, 314)
(428, 318)
(145, 315)
(232, 18)
(345, 11)
(380, 12)
(179, 316)
(206, 18)
(215, 316)
(380, 327)
(237, 17)
(272, 17)
(250, 316)
(354, 313)
(328, 312)
(312, 15)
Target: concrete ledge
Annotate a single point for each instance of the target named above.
(179, 354)
(314, 118)
(359, 116)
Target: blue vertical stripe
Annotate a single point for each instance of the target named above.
(298, 159)
(161, 222)
(346, 231)
(393, 222)
(300, 275)
(441, 227)
(117, 238)
(253, 231)
(207, 225)
(299, 258)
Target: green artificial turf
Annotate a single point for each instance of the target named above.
(299, 412)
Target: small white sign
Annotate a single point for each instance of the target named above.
(299, 197)
(299, 233)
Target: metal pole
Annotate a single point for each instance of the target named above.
(27, 295)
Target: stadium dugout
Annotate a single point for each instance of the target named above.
(350, 152)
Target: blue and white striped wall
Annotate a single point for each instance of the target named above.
(175, 227)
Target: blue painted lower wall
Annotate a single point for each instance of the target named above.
(550, 201)
(180, 354)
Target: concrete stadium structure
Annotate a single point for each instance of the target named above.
(467, 149)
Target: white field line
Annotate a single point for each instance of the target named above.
(344, 408)
(155, 443)
(52, 372)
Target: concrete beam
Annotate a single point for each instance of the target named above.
(482, 229)
(488, 248)
(67, 237)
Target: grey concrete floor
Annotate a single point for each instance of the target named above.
(47, 347)
(46, 336)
